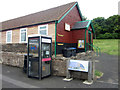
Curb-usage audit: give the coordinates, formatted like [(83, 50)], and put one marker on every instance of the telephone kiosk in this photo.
[(39, 65)]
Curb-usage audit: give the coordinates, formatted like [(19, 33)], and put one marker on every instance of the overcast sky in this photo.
[(10, 9)]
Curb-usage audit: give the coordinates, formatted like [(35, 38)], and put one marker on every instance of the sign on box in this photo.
[(78, 65)]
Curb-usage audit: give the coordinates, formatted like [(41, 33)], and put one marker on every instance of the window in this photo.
[(67, 27), (9, 37), (43, 29), (23, 35)]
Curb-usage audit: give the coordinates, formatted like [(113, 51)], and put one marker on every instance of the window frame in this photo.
[(43, 29), (7, 37), (20, 35)]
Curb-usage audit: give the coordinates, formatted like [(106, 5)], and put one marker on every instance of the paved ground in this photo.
[(13, 77), (108, 64)]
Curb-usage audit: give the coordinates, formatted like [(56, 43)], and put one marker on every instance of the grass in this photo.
[(98, 74), (109, 46)]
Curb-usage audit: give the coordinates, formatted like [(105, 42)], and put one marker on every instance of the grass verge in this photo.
[(98, 74), (109, 46)]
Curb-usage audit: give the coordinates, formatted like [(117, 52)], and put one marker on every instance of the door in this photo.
[(89, 39), (46, 59), (33, 62)]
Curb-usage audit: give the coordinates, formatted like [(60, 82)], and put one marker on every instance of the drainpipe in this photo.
[(85, 40), (55, 36)]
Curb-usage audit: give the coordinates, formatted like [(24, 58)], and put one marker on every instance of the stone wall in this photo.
[(19, 48), (58, 63), (16, 47), (12, 59)]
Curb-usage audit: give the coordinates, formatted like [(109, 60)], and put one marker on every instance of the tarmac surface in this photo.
[(13, 77)]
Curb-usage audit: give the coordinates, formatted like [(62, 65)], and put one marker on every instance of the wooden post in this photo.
[(90, 72), (93, 66), (67, 71), (93, 69)]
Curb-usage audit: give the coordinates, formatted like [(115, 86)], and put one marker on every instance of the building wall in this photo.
[(72, 17), (64, 38), (78, 34), (18, 47), (16, 36), (51, 31), (3, 36), (30, 30)]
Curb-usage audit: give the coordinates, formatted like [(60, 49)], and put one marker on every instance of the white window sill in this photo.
[(22, 42), (8, 42)]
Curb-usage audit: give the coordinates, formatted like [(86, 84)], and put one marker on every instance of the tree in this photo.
[(98, 24), (107, 28)]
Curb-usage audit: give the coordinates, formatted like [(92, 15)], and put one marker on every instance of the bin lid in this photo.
[(70, 48)]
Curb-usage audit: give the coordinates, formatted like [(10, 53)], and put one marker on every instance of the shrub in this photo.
[(108, 36)]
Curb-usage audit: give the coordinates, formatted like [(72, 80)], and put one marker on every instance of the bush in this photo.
[(108, 36), (100, 36), (115, 35)]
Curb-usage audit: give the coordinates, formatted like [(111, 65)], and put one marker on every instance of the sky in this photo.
[(10, 9)]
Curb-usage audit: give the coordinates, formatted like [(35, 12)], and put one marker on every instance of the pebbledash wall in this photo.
[(16, 45)]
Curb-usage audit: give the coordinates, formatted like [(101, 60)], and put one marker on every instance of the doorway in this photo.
[(89, 40)]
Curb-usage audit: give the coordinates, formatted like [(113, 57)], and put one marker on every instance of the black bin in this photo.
[(25, 63), (68, 52)]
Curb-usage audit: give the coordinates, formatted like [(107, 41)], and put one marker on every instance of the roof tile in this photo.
[(80, 24)]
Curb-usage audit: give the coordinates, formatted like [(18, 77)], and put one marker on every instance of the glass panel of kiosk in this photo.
[(33, 62), (46, 59)]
